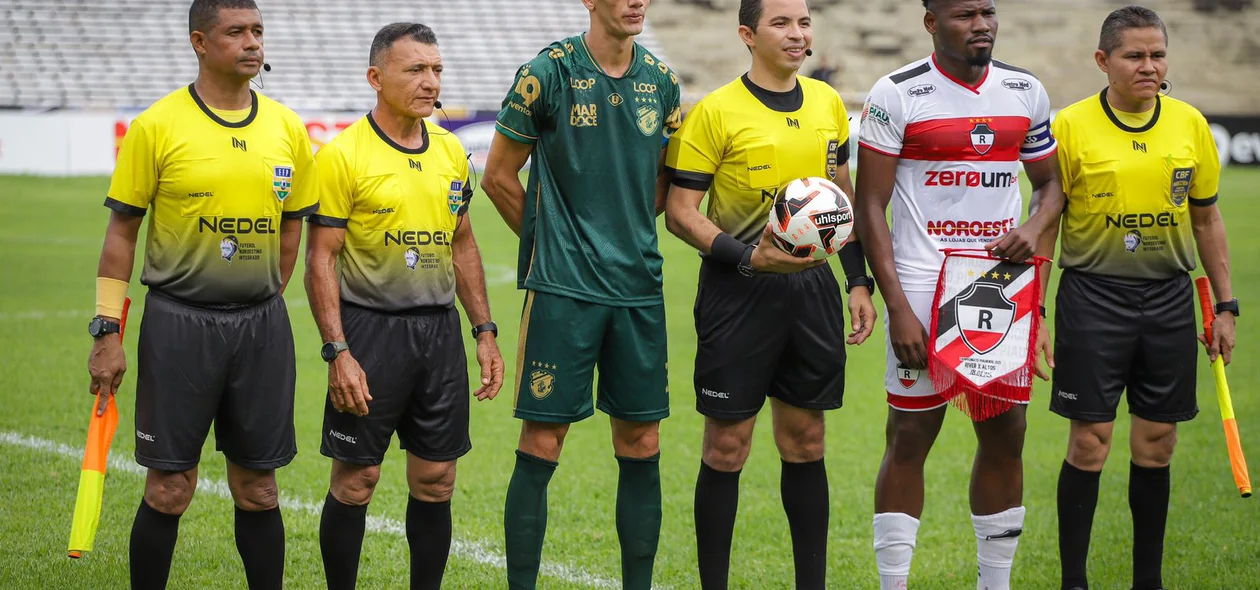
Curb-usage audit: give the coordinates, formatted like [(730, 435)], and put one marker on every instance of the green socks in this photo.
[(638, 519), (525, 519)]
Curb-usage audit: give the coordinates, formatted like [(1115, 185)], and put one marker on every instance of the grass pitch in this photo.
[(50, 238)]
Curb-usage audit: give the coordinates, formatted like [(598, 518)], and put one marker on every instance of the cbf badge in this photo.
[(833, 157), (1181, 180), (984, 327), (455, 198), (282, 181)]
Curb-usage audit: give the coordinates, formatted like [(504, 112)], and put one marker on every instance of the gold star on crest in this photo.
[(994, 275), (1007, 276)]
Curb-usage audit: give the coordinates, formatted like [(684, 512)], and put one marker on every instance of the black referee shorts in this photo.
[(417, 374), (1114, 335), (233, 368), (770, 335)]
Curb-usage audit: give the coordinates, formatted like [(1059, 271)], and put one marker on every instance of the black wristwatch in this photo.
[(100, 326), (745, 266), (330, 350), (486, 327), (866, 281), (1231, 306), (1043, 310)]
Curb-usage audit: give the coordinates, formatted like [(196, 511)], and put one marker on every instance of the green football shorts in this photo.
[(563, 340)]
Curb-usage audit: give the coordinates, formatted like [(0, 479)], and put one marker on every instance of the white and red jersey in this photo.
[(960, 149)]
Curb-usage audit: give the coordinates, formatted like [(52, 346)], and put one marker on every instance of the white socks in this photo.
[(997, 536), (895, 534)]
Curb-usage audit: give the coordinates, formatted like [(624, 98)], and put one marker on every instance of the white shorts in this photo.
[(910, 390)]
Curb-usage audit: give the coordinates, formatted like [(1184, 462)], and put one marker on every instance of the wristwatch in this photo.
[(486, 327), (860, 281), (100, 326), (1043, 310), (745, 266), (1231, 306), (330, 350)]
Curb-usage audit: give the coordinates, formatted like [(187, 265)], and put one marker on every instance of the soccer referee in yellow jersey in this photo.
[(1141, 173), (768, 324), (390, 249), (227, 175)]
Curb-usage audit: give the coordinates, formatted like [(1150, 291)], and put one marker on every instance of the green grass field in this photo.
[(50, 237)]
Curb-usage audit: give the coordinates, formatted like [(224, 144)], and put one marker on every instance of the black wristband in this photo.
[(853, 260), (728, 250)]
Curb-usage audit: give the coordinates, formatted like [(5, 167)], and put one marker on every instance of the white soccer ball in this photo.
[(811, 218)]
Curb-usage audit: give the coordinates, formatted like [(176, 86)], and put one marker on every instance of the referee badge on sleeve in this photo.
[(282, 181), (455, 198)]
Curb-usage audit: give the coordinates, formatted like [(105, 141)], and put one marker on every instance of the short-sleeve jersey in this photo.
[(742, 143), (217, 190), (1129, 188), (400, 207), (960, 149), (589, 224)]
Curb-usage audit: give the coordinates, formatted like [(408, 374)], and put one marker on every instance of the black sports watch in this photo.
[(1042, 309), (1231, 306), (745, 266), (486, 327), (861, 281), (330, 350), (100, 326)]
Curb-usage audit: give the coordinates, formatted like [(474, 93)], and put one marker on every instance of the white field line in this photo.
[(460, 549)]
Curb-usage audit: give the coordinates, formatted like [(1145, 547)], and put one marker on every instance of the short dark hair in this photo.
[(750, 13), (391, 33), (204, 14), (1123, 19)]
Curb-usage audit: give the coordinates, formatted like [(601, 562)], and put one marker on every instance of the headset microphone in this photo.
[(437, 104), (1165, 87), (809, 52), (266, 67), (257, 79)]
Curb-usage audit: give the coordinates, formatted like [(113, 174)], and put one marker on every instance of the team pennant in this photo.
[(984, 331)]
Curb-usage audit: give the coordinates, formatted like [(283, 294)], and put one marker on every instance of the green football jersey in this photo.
[(589, 225)]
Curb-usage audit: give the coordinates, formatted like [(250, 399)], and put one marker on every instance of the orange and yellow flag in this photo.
[(87, 508)]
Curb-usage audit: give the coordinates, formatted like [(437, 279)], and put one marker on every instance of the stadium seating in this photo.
[(1209, 51), (128, 53)]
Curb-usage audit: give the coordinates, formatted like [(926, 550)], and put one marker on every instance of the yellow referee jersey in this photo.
[(742, 143), (399, 207), (1129, 188), (218, 190)]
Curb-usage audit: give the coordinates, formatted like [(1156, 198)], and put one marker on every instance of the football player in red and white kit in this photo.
[(943, 139)]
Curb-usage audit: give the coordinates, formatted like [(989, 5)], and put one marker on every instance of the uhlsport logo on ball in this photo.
[(811, 218)]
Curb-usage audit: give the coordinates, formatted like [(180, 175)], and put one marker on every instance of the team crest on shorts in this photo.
[(282, 181), (455, 198), (907, 376), (412, 256), (1180, 190), (1132, 241), (649, 118), (541, 381), (982, 137)]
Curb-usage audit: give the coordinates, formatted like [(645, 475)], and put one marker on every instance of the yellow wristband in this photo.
[(110, 295)]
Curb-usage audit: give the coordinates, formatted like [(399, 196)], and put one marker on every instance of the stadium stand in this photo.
[(1213, 44), (129, 53)]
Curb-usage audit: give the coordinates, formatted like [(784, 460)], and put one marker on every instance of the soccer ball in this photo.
[(811, 218)]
